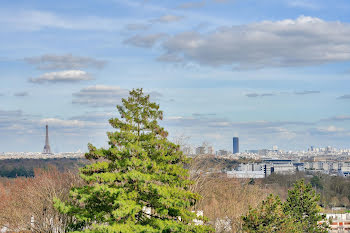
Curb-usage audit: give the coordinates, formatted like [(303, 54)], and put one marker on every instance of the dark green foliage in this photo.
[(329, 187), (251, 181), (12, 168), (269, 217), (141, 169), (16, 172), (302, 206), (316, 182), (299, 213)]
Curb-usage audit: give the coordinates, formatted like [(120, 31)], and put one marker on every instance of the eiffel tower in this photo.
[(47, 149)]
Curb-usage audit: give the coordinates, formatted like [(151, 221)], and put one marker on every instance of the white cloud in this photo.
[(66, 61), (62, 76), (303, 4), (56, 122), (338, 118), (300, 42), (103, 90), (15, 121), (100, 95), (95, 116), (328, 130), (144, 41), (105, 96), (332, 128)]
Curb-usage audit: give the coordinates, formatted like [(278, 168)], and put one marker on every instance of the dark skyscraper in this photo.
[(47, 149), (235, 145)]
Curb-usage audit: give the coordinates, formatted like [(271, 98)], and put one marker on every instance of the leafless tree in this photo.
[(27, 203)]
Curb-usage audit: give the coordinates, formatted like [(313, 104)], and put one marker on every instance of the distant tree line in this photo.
[(12, 168), (333, 190), (299, 213)]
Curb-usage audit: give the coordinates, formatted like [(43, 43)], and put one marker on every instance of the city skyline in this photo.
[(278, 77)]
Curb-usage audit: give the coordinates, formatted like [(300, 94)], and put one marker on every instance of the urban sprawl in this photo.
[(328, 160)]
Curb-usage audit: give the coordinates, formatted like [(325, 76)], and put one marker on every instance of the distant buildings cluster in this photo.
[(338, 222), (265, 168), (40, 155), (327, 160), (209, 150), (329, 167), (287, 166)]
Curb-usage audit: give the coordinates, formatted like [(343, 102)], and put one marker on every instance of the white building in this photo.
[(246, 174), (210, 150), (339, 223)]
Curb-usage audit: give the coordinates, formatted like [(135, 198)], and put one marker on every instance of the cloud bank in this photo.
[(67, 76), (66, 61), (300, 42), (100, 95), (144, 41), (105, 96)]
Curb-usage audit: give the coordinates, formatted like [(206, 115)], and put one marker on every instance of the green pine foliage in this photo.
[(269, 217), (139, 183), (299, 213), (302, 206)]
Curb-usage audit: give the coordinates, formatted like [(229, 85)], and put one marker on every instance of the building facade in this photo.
[(235, 142)]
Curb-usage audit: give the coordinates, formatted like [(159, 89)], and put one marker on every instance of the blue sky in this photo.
[(271, 72)]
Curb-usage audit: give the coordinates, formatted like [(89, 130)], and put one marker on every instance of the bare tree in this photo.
[(27, 203)]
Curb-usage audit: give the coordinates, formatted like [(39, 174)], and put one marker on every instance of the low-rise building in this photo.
[(261, 170), (246, 174), (339, 223)]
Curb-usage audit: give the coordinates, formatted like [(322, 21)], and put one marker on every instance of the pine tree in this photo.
[(269, 217), (302, 206), (299, 213), (138, 184)]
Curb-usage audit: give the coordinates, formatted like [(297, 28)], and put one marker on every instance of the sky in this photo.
[(272, 72)]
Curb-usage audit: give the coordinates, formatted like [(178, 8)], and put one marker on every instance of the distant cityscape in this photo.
[(263, 153), (327, 160), (45, 154)]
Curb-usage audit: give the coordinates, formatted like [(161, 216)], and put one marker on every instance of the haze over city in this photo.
[(273, 74)]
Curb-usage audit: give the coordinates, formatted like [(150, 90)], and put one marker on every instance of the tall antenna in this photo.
[(47, 149)]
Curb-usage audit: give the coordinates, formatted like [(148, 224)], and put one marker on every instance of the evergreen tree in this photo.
[(302, 206), (299, 213), (139, 183), (269, 217), (316, 182)]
